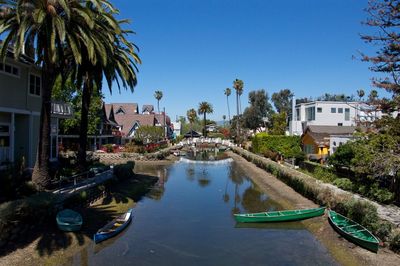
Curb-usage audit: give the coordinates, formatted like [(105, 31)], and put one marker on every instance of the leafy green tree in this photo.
[(343, 156), (158, 95), (149, 134), (281, 100), (51, 28), (228, 92), (278, 124), (259, 108), (192, 117), (204, 109)]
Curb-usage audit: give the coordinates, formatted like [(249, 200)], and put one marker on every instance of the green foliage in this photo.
[(362, 212), (343, 155), (149, 134), (383, 230), (288, 146), (324, 174), (281, 101), (259, 108), (278, 124), (109, 148), (124, 171), (380, 194), (70, 94), (343, 183), (395, 241)]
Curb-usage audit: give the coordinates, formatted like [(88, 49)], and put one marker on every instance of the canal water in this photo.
[(188, 220)]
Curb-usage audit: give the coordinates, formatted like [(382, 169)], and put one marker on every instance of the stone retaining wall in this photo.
[(314, 189)]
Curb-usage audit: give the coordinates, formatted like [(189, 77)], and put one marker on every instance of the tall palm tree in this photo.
[(360, 93), (204, 109), (224, 118), (238, 86), (50, 27), (158, 95), (191, 116), (228, 92), (116, 61)]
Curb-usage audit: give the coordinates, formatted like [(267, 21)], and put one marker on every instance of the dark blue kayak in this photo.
[(114, 227)]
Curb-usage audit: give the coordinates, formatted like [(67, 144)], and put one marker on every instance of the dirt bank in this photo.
[(343, 251)]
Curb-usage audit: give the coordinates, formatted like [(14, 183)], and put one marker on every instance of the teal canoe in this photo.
[(279, 216), (69, 220), (353, 231)]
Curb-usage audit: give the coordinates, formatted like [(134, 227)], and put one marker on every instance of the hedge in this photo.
[(288, 146), (359, 210)]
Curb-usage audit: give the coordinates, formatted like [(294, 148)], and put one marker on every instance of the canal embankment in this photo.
[(297, 190), (35, 239)]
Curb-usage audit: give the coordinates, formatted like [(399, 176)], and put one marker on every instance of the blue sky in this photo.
[(193, 49)]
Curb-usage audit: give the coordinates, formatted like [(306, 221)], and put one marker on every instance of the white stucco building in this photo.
[(330, 113)]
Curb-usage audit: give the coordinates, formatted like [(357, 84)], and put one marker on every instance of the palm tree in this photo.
[(360, 93), (238, 86), (204, 109), (228, 92), (51, 28), (158, 95), (192, 117), (116, 61), (224, 118)]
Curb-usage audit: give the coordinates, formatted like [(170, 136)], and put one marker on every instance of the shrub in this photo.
[(124, 171), (324, 174), (108, 148), (380, 194), (383, 230), (288, 146), (343, 183), (395, 241), (362, 212)]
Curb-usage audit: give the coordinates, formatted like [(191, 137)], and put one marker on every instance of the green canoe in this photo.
[(353, 231), (279, 216)]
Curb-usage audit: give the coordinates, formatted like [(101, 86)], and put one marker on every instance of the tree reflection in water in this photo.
[(203, 178)]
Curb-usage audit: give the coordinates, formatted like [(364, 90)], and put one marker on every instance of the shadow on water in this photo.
[(50, 239)]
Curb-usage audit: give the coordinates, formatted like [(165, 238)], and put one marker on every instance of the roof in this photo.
[(127, 121), (322, 134), (193, 134), (160, 119), (127, 108), (148, 108)]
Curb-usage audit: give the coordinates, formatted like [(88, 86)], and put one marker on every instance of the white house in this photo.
[(330, 113)]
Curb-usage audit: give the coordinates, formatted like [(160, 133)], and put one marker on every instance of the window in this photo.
[(340, 124), (310, 113), (9, 69), (309, 149), (347, 114), (340, 110), (34, 85), (298, 117), (333, 110), (319, 110)]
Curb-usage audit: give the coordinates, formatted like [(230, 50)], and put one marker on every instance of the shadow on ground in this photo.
[(50, 239)]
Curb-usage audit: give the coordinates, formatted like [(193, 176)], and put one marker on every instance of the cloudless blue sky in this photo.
[(193, 49)]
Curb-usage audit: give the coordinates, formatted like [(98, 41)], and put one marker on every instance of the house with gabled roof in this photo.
[(129, 120), (316, 140)]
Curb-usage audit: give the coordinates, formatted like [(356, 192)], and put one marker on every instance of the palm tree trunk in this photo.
[(41, 172), (86, 99), (229, 112), (204, 129), (237, 118), (158, 105)]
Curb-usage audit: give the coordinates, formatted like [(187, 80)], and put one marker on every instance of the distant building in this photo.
[(177, 127), (331, 113), (129, 119)]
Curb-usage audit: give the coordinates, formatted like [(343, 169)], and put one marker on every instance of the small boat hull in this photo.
[(353, 231), (113, 228), (279, 216), (69, 220)]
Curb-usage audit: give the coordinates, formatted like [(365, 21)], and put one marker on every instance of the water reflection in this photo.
[(187, 220)]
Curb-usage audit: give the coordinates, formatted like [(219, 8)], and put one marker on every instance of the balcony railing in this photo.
[(4, 154)]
